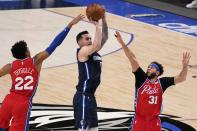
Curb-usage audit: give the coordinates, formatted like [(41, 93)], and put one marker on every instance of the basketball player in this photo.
[(149, 89), (25, 72), (89, 67)]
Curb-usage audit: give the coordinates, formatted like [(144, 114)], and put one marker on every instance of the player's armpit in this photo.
[(40, 57), (134, 64), (5, 70)]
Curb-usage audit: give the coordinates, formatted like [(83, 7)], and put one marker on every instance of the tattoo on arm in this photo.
[(104, 33)]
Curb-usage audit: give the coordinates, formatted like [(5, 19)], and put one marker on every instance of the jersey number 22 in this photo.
[(26, 86)]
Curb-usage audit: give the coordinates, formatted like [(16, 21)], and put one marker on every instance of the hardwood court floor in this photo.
[(58, 78)]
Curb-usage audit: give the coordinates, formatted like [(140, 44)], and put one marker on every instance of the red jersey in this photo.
[(149, 100), (149, 95), (24, 77)]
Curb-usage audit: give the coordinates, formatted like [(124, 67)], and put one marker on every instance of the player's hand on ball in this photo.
[(76, 20), (95, 12)]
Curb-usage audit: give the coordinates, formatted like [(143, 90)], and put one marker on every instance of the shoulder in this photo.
[(166, 79), (140, 74), (166, 82)]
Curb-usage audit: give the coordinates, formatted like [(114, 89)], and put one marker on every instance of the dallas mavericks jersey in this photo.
[(89, 74)]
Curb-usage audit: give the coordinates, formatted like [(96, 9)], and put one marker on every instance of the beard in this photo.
[(151, 76)]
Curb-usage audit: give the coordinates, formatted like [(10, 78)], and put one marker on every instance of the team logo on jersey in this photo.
[(148, 90), (60, 117)]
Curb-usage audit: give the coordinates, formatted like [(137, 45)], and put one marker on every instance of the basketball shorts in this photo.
[(15, 113), (139, 124), (85, 111)]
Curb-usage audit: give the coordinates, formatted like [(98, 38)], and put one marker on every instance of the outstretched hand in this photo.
[(119, 37), (76, 20), (186, 58)]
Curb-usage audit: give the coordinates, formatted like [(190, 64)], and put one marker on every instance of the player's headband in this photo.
[(155, 66)]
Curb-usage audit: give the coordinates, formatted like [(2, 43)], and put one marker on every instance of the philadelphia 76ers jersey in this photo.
[(24, 77), (148, 100)]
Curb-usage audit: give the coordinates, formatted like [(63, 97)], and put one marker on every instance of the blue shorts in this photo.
[(85, 111)]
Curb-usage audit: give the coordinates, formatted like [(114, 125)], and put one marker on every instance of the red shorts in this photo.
[(140, 124), (15, 113)]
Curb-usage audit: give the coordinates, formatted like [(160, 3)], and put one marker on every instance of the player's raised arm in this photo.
[(56, 42), (88, 50), (5, 70), (104, 31), (130, 55), (183, 74)]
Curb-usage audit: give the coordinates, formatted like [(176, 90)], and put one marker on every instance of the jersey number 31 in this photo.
[(153, 99)]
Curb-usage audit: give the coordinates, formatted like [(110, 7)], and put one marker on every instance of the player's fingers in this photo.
[(118, 34), (183, 55), (187, 55), (188, 58), (79, 17), (82, 16)]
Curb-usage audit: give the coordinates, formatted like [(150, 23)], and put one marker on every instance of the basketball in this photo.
[(95, 12)]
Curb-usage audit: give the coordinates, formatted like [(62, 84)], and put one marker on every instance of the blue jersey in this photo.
[(89, 74)]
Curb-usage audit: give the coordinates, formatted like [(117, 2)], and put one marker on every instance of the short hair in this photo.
[(160, 67), (78, 37), (19, 49)]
